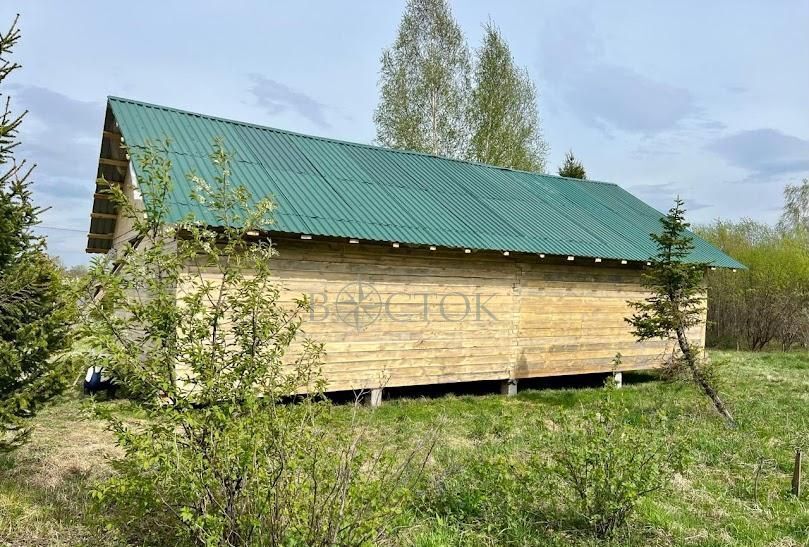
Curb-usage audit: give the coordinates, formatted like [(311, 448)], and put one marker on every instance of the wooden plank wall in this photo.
[(445, 316), (405, 316)]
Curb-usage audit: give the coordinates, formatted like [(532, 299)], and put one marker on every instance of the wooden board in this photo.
[(399, 317)]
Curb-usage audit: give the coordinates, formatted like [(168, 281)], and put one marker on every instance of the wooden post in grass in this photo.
[(796, 474)]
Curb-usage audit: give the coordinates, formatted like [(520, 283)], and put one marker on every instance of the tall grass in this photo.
[(484, 484)]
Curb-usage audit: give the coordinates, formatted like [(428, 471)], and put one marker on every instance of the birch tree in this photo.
[(503, 115), (795, 217), (424, 83)]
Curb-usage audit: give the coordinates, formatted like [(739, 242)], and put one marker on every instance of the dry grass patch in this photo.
[(45, 485)]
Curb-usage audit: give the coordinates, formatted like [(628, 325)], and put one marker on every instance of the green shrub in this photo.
[(487, 493), (605, 466), (765, 305), (267, 476), (237, 446)]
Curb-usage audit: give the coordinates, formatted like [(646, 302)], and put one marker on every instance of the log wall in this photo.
[(402, 316)]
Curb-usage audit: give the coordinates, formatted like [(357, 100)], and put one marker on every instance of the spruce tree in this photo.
[(676, 303), (424, 83), (35, 311), (503, 116), (572, 168)]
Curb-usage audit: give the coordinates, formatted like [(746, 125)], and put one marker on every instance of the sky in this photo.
[(706, 100)]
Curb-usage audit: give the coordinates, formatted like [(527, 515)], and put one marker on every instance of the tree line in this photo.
[(766, 305), (438, 98)]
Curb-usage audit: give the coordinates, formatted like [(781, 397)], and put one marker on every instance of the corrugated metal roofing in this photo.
[(333, 188)]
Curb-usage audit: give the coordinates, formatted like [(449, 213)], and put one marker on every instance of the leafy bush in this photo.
[(237, 446), (557, 478), (606, 466), (270, 477), (769, 302)]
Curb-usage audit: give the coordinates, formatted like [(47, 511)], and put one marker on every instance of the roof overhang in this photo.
[(113, 167), (345, 198)]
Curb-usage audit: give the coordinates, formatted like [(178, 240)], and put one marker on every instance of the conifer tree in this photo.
[(676, 303), (503, 117), (572, 168), (34, 308), (424, 83)]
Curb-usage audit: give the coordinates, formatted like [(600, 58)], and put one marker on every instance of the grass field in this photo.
[(734, 490)]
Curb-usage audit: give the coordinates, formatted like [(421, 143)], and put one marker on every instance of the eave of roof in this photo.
[(332, 188)]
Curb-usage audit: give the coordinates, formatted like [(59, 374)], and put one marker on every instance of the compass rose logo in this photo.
[(358, 304)]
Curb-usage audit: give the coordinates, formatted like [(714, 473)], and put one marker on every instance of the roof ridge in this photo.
[(350, 143)]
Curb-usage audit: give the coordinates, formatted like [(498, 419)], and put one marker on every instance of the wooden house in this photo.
[(422, 269)]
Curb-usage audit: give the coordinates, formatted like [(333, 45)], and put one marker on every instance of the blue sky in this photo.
[(709, 100)]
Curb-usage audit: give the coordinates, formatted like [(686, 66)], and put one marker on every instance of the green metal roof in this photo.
[(333, 188)]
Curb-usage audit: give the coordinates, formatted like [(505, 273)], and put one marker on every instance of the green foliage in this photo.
[(769, 302), (606, 466), (237, 446), (735, 486), (795, 215), (424, 83), (429, 103), (572, 167), (489, 492), (525, 479), (503, 113), (677, 294), (675, 303), (255, 474), (35, 305)]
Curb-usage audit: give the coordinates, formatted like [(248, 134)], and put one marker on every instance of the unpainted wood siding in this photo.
[(402, 316)]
